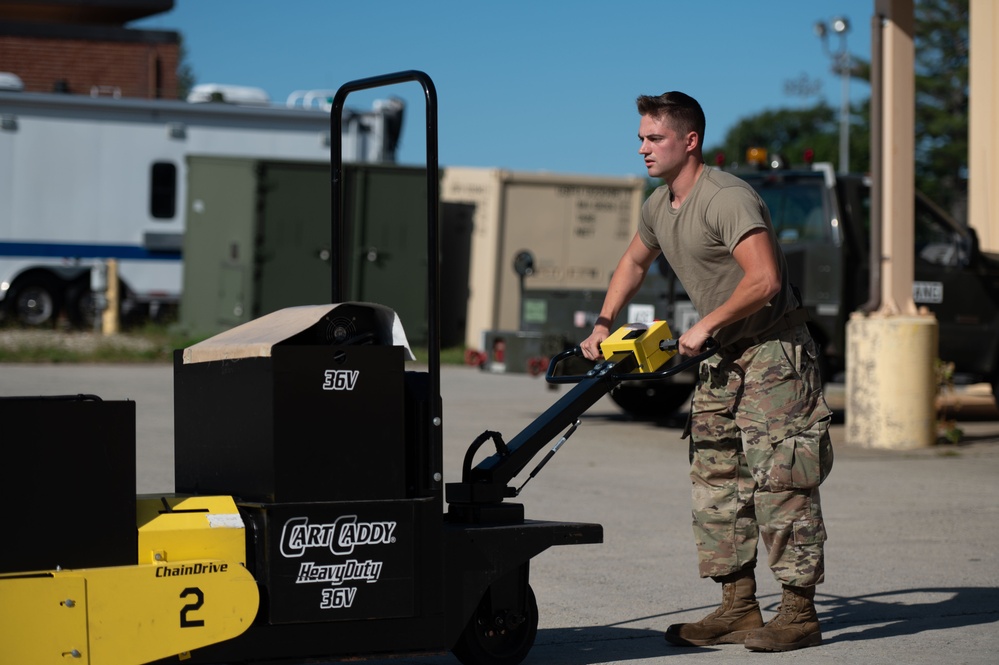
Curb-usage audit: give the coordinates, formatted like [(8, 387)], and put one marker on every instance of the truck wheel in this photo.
[(498, 638), (36, 301), (651, 399)]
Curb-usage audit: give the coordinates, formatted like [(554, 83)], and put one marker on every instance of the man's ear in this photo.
[(693, 142)]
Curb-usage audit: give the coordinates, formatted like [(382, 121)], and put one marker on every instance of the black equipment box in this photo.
[(78, 509), (266, 412), (306, 424)]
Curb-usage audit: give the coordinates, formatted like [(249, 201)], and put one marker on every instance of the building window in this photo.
[(163, 190)]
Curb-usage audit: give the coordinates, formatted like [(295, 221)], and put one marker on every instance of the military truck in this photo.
[(822, 220)]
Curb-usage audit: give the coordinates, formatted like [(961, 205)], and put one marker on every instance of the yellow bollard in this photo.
[(890, 381), (109, 318)]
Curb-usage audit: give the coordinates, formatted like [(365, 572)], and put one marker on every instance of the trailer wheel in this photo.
[(81, 306), (498, 638), (36, 301), (651, 399)]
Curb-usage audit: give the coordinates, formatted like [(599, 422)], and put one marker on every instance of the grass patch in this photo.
[(149, 344), (152, 343), (454, 356)]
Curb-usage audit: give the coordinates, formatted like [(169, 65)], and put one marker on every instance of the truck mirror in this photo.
[(967, 246)]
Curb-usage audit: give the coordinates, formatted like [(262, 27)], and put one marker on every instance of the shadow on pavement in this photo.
[(906, 612), (844, 619), (594, 645)]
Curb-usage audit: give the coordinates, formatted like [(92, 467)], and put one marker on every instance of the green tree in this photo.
[(942, 52), (941, 116), (793, 133), (185, 73)]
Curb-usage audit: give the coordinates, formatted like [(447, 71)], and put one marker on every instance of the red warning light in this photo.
[(809, 155)]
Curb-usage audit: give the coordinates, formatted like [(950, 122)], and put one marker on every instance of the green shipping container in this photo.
[(258, 240)]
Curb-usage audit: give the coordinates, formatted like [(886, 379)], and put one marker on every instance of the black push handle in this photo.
[(711, 347), (337, 241), (339, 250), (433, 177), (557, 359)]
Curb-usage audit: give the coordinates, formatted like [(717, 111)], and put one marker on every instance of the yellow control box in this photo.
[(643, 341)]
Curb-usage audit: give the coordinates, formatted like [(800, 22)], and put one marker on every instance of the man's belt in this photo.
[(791, 319)]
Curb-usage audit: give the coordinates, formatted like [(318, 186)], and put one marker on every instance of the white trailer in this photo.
[(87, 179)]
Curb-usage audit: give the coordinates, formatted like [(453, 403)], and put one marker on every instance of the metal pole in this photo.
[(844, 111), (841, 62)]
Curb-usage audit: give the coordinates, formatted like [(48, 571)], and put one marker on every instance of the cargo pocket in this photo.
[(786, 455), (801, 461), (808, 532)]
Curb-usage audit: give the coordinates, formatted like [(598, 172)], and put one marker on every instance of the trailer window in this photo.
[(163, 190)]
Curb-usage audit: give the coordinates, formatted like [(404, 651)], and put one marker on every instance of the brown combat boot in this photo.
[(738, 614), (796, 625)]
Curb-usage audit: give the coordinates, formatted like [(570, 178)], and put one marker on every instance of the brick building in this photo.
[(83, 47)]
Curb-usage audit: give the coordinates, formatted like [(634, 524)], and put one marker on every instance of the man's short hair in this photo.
[(681, 111)]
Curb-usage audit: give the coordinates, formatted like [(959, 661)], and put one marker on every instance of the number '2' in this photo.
[(199, 600)]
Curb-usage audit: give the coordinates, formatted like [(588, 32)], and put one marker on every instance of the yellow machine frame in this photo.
[(189, 589)]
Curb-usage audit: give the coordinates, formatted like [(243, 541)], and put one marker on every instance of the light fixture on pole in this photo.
[(841, 65)]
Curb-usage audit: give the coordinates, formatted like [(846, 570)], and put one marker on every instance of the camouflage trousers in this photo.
[(759, 449)]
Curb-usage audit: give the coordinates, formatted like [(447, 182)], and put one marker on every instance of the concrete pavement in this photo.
[(912, 572)]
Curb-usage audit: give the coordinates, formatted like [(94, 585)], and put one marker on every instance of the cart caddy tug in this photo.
[(309, 518)]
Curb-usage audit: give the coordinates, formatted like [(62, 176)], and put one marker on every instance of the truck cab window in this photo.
[(163, 190), (797, 212), (936, 241)]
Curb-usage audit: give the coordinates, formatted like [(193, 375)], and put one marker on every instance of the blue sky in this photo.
[(528, 85)]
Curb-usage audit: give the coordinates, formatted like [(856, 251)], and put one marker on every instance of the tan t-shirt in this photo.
[(698, 238)]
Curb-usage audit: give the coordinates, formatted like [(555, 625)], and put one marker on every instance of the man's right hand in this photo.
[(623, 285), (591, 345)]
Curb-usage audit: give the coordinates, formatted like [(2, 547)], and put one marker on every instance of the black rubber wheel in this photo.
[(36, 301), (81, 306), (503, 639), (651, 399)]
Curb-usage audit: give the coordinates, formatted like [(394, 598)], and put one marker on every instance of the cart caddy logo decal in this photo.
[(340, 379), (340, 537)]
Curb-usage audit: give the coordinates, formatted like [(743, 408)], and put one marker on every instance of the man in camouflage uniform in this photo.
[(759, 440)]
